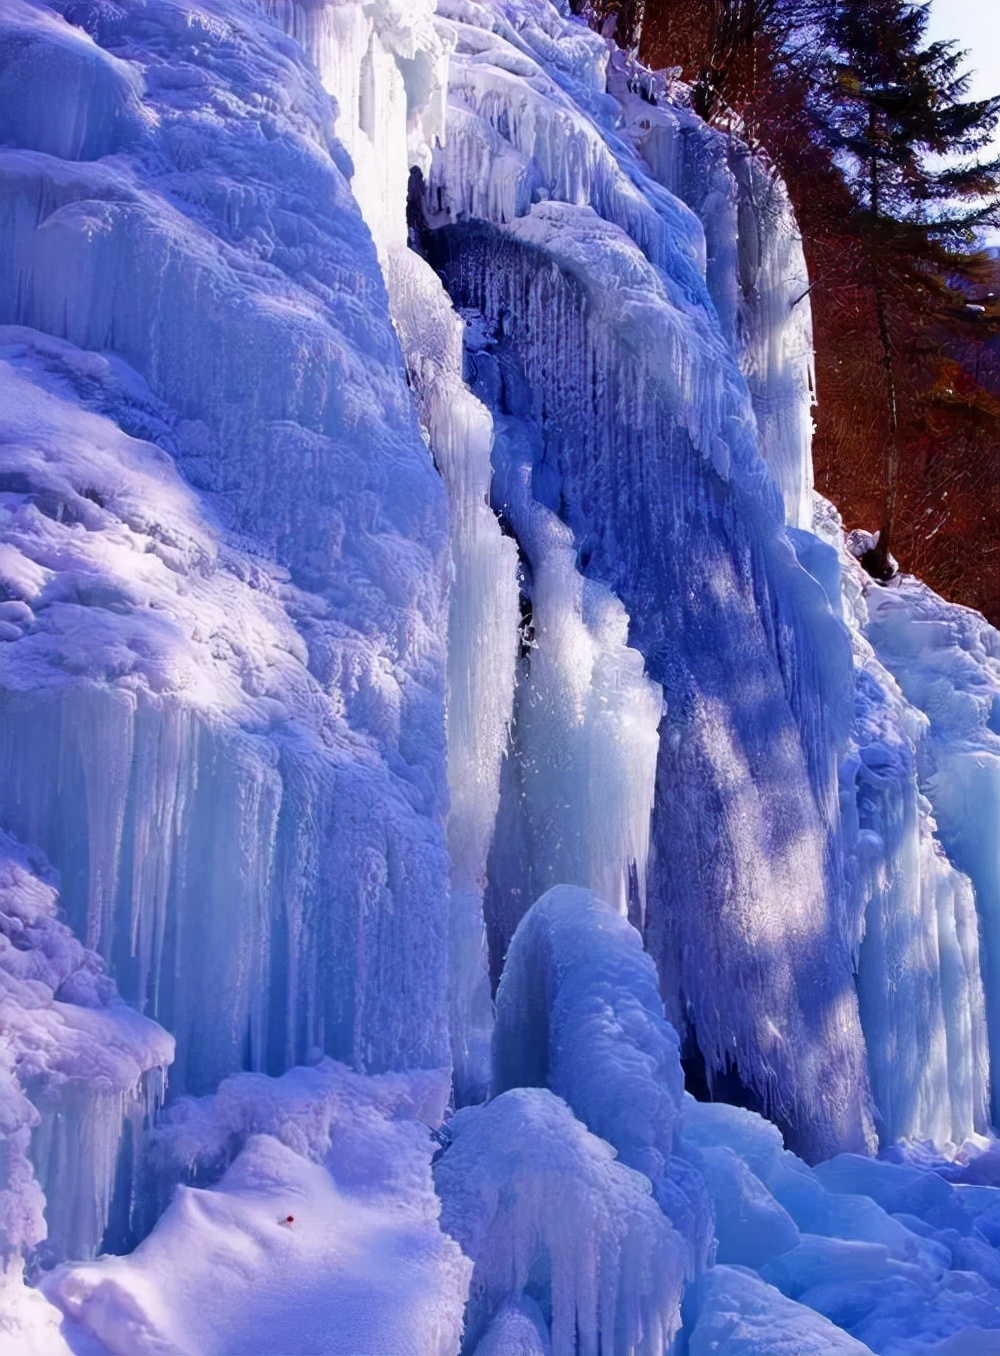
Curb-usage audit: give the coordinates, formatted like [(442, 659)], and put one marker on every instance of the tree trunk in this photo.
[(628, 32), (876, 561)]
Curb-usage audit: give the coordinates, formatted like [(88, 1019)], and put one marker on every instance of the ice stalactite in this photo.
[(80, 1070), (946, 662), (911, 912), (529, 119), (239, 681), (585, 715), (387, 70), (919, 980), (581, 769), (754, 266)]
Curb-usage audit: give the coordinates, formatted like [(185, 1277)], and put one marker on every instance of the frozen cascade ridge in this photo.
[(481, 870)]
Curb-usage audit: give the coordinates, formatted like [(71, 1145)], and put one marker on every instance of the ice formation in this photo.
[(587, 272), (79, 1069), (411, 583), (214, 668), (543, 1209)]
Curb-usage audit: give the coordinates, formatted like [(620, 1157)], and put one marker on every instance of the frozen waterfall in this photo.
[(439, 724)]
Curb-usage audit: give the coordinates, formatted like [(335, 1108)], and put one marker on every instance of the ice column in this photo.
[(913, 914), (754, 265), (579, 778), (387, 68)]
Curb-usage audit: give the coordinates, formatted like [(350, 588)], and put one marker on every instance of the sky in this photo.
[(974, 24)]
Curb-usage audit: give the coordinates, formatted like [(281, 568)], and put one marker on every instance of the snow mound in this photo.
[(321, 1235), (579, 1012)]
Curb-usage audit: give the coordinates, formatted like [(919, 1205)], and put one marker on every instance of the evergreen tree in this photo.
[(893, 113)]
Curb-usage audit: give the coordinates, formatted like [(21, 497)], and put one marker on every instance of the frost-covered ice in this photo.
[(80, 1073), (164, 735), (894, 1256)]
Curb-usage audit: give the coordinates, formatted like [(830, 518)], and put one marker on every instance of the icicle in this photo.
[(389, 116), (82, 1067), (541, 1207)]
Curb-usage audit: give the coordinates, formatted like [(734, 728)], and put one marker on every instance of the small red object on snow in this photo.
[(288, 1221)]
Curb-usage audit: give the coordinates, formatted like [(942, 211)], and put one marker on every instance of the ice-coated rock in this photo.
[(739, 1315)]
